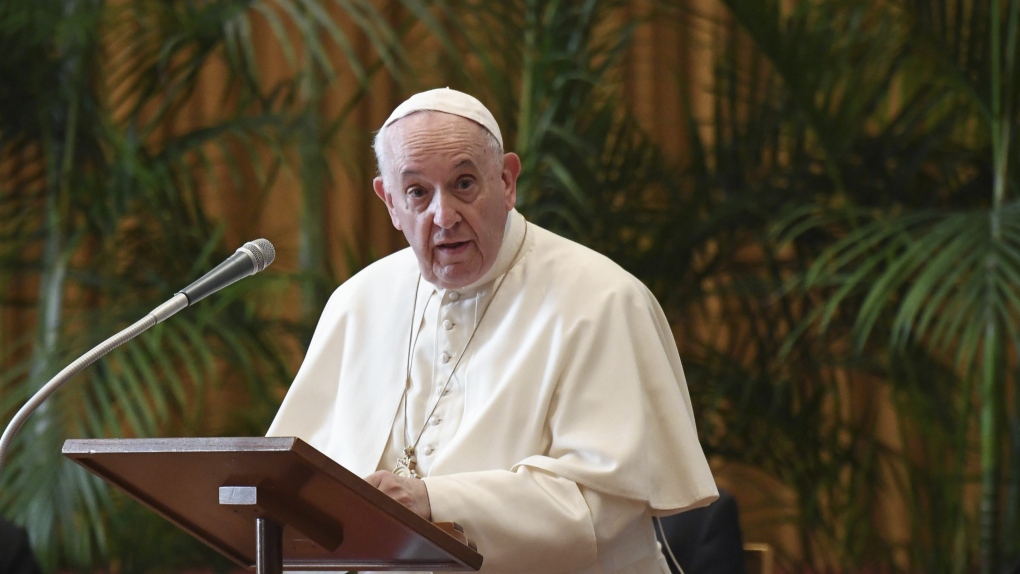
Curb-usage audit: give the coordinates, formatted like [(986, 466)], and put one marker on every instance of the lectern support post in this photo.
[(268, 547), (268, 532)]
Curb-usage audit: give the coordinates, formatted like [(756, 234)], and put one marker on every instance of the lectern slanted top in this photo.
[(216, 488)]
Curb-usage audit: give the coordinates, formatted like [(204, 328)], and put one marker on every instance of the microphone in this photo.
[(249, 259)]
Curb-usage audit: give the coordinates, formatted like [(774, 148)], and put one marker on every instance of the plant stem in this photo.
[(312, 241), (525, 109), (989, 452), (1000, 130), (960, 531)]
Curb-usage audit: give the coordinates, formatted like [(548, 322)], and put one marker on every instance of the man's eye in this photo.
[(416, 192), (465, 183)]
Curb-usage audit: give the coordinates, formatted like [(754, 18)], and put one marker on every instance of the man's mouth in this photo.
[(453, 246)]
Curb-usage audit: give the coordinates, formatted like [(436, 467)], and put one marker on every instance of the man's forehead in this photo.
[(435, 133), (414, 170)]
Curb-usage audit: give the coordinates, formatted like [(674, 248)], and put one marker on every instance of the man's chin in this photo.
[(455, 276)]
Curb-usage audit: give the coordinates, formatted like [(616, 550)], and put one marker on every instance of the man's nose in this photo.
[(447, 210)]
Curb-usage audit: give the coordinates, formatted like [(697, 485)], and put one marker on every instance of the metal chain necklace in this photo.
[(406, 464)]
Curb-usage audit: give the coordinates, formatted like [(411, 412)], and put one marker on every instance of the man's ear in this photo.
[(511, 170), (380, 190)]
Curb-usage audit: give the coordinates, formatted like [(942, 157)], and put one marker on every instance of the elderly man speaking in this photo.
[(497, 375)]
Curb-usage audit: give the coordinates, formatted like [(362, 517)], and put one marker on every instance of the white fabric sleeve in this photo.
[(530, 520)]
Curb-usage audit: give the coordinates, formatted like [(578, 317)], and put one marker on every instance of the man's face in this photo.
[(449, 192)]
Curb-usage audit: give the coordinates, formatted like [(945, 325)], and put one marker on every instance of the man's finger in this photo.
[(376, 478), (410, 492)]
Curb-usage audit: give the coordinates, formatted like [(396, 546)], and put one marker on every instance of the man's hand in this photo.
[(410, 492)]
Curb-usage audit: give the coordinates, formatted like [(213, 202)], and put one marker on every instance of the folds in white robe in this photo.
[(576, 424)]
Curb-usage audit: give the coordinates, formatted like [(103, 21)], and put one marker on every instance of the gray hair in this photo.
[(382, 159)]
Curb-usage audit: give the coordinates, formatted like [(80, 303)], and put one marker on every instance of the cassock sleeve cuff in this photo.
[(503, 511)]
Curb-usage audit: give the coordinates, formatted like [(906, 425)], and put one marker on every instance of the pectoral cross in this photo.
[(406, 463)]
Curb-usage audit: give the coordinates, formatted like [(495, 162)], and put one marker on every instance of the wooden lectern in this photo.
[(274, 504)]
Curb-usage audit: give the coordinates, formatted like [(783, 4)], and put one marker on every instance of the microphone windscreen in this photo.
[(262, 251)]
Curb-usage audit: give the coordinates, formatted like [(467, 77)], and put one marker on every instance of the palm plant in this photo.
[(949, 275), (866, 111), (106, 159), (802, 413), (863, 142)]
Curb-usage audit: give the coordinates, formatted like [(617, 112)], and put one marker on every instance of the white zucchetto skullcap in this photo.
[(450, 102)]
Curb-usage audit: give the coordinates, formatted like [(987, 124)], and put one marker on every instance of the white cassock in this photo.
[(564, 428)]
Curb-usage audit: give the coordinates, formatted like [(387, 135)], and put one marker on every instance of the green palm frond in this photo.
[(943, 273)]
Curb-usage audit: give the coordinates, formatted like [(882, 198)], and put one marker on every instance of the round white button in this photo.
[(428, 450), (434, 421), (447, 324), (445, 357), (454, 295)]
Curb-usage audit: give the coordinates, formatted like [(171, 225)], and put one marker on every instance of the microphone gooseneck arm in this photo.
[(159, 314), (249, 259)]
